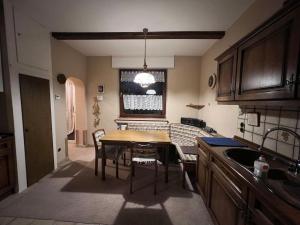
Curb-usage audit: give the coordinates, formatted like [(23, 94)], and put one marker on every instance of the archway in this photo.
[(76, 112)]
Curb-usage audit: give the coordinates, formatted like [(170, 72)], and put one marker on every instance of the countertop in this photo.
[(282, 208)]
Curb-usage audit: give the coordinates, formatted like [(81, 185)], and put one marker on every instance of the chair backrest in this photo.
[(144, 150), (96, 138)]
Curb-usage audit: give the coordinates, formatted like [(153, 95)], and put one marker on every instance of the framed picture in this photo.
[(101, 88)]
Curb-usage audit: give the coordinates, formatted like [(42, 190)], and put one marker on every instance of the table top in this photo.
[(161, 137)]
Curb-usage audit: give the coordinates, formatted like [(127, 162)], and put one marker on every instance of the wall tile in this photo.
[(286, 137), (248, 136), (288, 119), (239, 133), (262, 113), (285, 149), (296, 152), (297, 141), (274, 133), (270, 144), (272, 116), (259, 130), (257, 139)]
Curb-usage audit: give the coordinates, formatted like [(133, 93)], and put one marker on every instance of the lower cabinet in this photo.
[(225, 200), (202, 172), (7, 170), (259, 213)]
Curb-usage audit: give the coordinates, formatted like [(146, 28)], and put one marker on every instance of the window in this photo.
[(136, 101)]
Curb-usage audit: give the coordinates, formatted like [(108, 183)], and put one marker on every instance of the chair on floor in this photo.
[(112, 152), (144, 154)]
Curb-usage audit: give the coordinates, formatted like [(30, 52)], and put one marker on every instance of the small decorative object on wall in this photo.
[(212, 80), (61, 78), (96, 112), (101, 88)]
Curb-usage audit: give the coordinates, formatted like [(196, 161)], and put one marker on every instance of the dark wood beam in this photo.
[(138, 35)]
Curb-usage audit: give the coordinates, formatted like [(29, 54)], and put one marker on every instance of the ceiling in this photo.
[(133, 16)]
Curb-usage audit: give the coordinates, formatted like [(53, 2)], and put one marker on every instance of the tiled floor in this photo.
[(75, 195), (24, 221)]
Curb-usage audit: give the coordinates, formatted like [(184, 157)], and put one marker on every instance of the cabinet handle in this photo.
[(292, 81)]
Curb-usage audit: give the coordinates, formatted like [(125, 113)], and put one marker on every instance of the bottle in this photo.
[(261, 167)]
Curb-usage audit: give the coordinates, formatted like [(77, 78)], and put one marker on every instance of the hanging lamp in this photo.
[(144, 78)]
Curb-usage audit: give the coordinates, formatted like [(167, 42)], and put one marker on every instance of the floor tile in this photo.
[(42, 222), (21, 221), (63, 223), (5, 220)]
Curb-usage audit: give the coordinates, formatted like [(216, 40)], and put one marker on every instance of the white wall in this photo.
[(224, 117), (16, 67), (72, 63), (182, 89)]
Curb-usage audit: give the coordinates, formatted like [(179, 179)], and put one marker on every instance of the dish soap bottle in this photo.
[(261, 167)]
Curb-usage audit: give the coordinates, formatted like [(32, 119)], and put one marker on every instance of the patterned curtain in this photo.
[(70, 102)]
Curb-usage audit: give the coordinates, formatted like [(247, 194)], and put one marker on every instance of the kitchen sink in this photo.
[(243, 156)]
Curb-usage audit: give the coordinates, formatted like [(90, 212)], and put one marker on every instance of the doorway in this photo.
[(76, 114), (36, 113)]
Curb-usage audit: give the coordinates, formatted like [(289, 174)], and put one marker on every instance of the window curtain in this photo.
[(70, 102)]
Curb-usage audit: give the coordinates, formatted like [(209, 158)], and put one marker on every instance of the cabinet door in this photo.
[(267, 62), (226, 76), (202, 173), (33, 42), (225, 202), (6, 168)]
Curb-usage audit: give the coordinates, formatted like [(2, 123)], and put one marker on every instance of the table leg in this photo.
[(131, 170), (167, 163), (103, 161)]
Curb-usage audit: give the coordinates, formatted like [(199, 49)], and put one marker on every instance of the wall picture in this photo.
[(101, 88)]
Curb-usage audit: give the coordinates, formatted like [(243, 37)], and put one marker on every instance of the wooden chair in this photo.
[(112, 152), (145, 154)]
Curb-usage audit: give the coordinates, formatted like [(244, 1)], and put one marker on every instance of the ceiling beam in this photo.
[(138, 35)]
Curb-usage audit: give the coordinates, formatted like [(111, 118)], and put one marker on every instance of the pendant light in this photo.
[(144, 78)]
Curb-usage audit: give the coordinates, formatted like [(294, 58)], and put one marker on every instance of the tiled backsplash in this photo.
[(278, 141)]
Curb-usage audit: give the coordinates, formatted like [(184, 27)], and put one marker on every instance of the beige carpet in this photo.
[(73, 193)]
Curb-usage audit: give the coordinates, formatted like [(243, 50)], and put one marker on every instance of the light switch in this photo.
[(100, 98), (253, 119)]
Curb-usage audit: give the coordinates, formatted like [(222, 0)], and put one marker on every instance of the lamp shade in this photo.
[(151, 92), (144, 79)]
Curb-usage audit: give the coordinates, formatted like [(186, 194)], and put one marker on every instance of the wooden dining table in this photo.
[(127, 138)]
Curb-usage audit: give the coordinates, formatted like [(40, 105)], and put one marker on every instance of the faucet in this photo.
[(297, 136)]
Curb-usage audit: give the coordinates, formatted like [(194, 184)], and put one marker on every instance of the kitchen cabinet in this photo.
[(225, 200), (1, 74), (267, 62), (202, 173), (233, 196), (33, 42), (226, 75), (7, 167), (264, 64), (259, 213)]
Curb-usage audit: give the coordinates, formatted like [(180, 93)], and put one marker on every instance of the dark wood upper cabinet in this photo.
[(226, 75), (267, 62), (264, 65)]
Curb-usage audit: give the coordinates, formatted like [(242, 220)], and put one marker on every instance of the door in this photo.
[(267, 62), (36, 112), (226, 75)]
